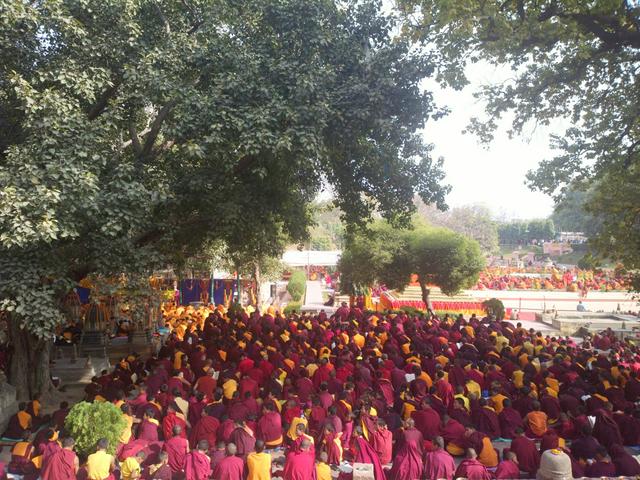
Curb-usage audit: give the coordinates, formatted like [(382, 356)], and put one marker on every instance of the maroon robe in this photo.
[(427, 421), (205, 429), (453, 432), (527, 454), (364, 453), (606, 430), (270, 428), (177, 449), (229, 468), (244, 441), (507, 470), (383, 445), (148, 431), (171, 420), (472, 470), (488, 422), (439, 464), (510, 419), (407, 464), (600, 469), (197, 466), (61, 466), (299, 465)]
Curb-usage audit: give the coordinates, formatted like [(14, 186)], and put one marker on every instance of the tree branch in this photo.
[(167, 27), (101, 104), (155, 128), (135, 141)]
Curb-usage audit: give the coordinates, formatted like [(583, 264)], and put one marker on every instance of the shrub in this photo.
[(494, 307), (292, 307), (296, 285), (89, 422)]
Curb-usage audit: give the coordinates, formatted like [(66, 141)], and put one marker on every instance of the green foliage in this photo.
[(521, 232), (570, 214), (89, 422), (570, 60), (328, 233), (383, 254), (297, 285), (473, 221), (136, 133), (588, 262), (292, 307), (494, 307)]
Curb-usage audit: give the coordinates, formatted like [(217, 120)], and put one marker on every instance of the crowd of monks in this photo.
[(571, 280), (250, 396)]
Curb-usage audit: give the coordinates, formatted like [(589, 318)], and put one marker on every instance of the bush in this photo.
[(89, 422), (494, 307), (292, 307), (297, 284)]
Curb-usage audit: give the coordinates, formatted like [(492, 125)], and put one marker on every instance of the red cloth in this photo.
[(244, 441), (509, 419), (439, 464), (333, 452), (148, 431), (229, 468), (61, 466), (270, 427), (383, 445), (488, 422), (472, 470), (177, 449), (300, 465), (453, 432), (407, 464), (507, 470), (527, 454), (205, 429), (366, 454), (428, 422), (169, 421), (197, 466)]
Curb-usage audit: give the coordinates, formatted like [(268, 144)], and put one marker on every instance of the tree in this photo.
[(473, 221), (570, 214), (569, 59), (297, 284), (436, 255), (89, 422), (135, 133)]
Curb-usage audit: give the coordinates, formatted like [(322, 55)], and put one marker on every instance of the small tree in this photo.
[(89, 422), (390, 256), (296, 285), (494, 307)]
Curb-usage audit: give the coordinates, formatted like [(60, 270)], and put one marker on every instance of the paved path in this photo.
[(313, 296)]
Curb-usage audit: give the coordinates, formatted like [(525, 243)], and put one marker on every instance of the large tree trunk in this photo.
[(425, 296), (29, 368)]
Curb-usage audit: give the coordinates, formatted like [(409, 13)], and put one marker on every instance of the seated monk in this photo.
[(259, 463), (300, 463), (63, 464), (526, 452), (471, 468), (453, 435), (100, 464), (536, 421), (18, 423), (230, 467), (177, 448), (481, 443), (22, 455), (438, 463), (508, 468), (198, 463), (160, 470)]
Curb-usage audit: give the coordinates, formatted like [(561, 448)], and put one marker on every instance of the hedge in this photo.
[(297, 284), (89, 422)]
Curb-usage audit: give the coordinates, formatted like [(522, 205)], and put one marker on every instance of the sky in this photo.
[(492, 175)]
